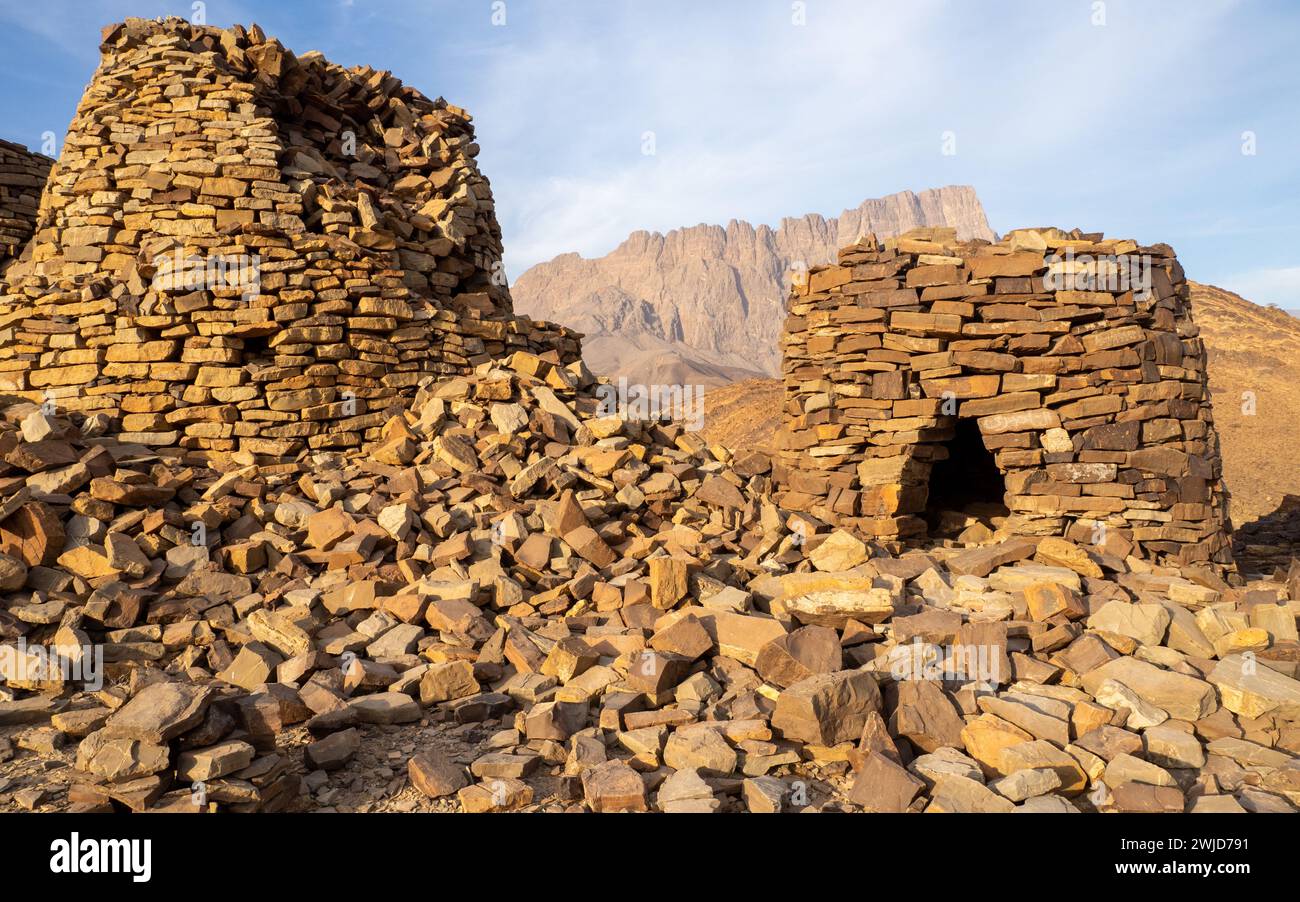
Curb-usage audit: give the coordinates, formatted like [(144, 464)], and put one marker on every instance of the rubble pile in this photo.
[(22, 176), (1071, 362), (624, 618), (223, 588), (241, 249)]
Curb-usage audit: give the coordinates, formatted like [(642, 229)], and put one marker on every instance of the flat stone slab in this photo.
[(1251, 689), (160, 712), (1184, 697)]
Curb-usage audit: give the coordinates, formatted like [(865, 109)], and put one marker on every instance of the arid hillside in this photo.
[(1252, 349), (744, 414)]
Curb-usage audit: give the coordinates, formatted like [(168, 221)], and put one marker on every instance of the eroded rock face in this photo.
[(1075, 357), (707, 301)]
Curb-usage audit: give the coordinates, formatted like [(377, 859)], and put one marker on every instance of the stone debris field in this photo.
[(360, 538)]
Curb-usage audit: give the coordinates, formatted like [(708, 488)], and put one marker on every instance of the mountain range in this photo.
[(704, 304)]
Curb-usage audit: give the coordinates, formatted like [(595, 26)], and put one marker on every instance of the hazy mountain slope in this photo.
[(649, 360)]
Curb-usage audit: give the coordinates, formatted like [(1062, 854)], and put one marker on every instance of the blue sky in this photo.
[(1133, 127)]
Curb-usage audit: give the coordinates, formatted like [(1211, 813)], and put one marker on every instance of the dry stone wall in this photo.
[(1075, 356), (242, 249), (22, 176)]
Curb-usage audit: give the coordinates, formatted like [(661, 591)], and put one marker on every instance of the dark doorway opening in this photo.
[(256, 349), (967, 479)]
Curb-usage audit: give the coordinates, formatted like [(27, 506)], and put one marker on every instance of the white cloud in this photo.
[(1279, 286), (1132, 128), (756, 118), (742, 125)]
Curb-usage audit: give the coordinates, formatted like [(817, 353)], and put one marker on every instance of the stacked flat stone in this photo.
[(1094, 403), (22, 176), (361, 238)]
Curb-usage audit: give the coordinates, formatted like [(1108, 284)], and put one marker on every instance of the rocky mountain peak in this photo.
[(707, 298)]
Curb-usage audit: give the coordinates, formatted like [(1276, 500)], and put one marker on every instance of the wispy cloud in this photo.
[(1056, 119), (745, 110), (1132, 127), (1268, 286)]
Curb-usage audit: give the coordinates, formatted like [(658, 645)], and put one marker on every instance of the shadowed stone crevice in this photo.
[(1271, 543), (963, 476)]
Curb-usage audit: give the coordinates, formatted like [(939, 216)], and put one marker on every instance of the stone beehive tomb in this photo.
[(22, 176), (244, 249), (1050, 384)]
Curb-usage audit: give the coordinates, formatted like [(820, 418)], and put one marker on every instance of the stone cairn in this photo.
[(22, 176), (241, 249), (1089, 392)]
